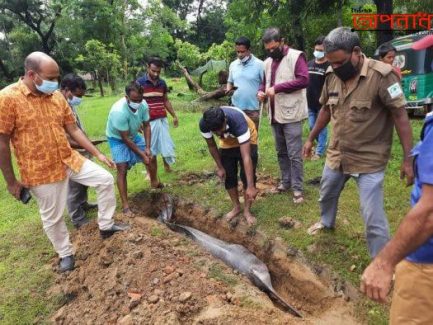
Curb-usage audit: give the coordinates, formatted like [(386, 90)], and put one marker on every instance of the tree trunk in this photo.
[(204, 95), (384, 34), (101, 88), (296, 8)]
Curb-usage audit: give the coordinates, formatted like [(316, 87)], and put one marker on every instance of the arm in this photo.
[(404, 131), (14, 187), (131, 144), (170, 109), (414, 230), (321, 122), (147, 138), (300, 81), (245, 149), (75, 132), (213, 150)]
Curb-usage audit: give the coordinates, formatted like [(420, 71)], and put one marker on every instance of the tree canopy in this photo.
[(128, 32)]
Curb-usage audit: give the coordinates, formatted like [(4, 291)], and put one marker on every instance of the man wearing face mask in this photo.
[(35, 118), (286, 77), (127, 117), (316, 71), (363, 100), (246, 74), (73, 89)]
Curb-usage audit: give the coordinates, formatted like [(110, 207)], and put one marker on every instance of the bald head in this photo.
[(36, 61), (39, 67)]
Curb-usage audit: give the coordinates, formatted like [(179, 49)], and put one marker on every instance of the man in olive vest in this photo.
[(286, 77)]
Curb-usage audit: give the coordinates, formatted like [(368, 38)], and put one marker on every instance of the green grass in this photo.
[(25, 252)]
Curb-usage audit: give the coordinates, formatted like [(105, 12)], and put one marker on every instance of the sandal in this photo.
[(159, 186), (298, 198), (316, 228)]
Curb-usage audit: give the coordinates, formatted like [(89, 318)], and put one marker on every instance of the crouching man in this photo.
[(238, 146), (127, 117)]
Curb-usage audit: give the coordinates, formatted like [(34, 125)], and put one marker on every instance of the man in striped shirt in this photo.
[(155, 93)]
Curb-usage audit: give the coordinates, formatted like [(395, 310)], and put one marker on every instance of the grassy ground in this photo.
[(25, 252)]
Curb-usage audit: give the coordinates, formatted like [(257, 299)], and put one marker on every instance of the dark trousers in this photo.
[(77, 197), (231, 158)]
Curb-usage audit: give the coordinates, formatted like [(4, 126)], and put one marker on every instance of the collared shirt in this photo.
[(423, 168), (239, 129), (361, 117), (247, 77), (36, 125), (155, 96), (121, 118)]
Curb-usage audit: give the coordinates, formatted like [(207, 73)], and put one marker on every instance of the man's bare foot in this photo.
[(233, 213), (157, 185), (167, 168), (251, 220)]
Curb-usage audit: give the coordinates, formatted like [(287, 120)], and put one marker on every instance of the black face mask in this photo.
[(346, 71), (276, 54)]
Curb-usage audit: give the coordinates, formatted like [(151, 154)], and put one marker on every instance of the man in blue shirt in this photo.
[(245, 77), (411, 248), (128, 116)]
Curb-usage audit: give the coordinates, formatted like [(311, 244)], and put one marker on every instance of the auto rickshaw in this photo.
[(414, 57)]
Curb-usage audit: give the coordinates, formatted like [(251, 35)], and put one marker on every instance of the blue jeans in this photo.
[(321, 139), (370, 186)]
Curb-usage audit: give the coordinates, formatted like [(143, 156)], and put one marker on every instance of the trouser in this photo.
[(288, 143), (370, 186), (51, 199), (231, 159), (412, 301), (254, 115), (76, 199), (321, 138)]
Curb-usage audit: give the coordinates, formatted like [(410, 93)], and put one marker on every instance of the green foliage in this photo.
[(188, 54), (224, 51)]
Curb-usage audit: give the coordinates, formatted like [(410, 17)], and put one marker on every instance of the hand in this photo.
[(376, 280), (221, 173), (251, 193), (261, 96), (307, 149), (406, 170), (270, 92), (175, 121), (106, 160), (15, 189), (147, 155)]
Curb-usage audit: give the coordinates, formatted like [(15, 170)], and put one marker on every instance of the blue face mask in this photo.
[(47, 86), (75, 101), (134, 106), (319, 54)]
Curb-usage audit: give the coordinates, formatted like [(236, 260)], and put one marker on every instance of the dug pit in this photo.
[(152, 275)]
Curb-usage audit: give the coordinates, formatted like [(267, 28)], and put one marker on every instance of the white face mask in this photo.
[(134, 106), (319, 54), (245, 59)]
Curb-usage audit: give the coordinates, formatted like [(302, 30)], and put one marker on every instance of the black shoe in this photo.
[(66, 263), (89, 206), (114, 228), (81, 223)]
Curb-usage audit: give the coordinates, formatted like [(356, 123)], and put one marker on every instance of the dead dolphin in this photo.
[(239, 258)]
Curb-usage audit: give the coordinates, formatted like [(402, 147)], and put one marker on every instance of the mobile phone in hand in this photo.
[(25, 195)]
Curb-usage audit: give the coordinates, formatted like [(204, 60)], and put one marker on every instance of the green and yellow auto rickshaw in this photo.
[(414, 57)]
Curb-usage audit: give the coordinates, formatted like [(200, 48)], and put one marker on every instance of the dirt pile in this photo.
[(151, 275)]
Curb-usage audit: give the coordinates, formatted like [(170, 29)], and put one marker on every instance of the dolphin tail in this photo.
[(275, 296), (284, 304)]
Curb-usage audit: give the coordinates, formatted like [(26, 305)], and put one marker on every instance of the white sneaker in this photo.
[(316, 228)]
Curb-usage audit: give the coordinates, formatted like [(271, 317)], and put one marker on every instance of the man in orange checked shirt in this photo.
[(35, 118)]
